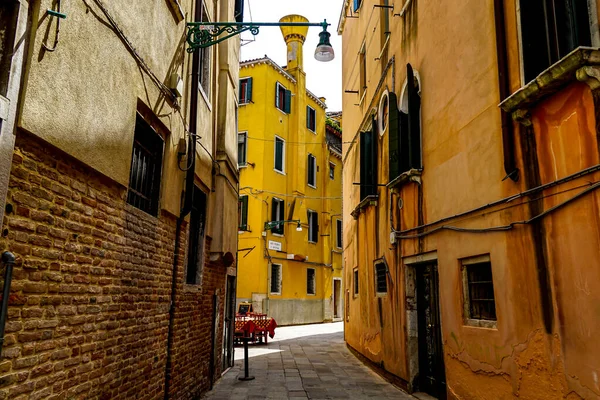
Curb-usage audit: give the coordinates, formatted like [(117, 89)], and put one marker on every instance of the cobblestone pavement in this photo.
[(303, 362)]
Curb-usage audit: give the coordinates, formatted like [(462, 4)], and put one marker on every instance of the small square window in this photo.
[(146, 168), (331, 170), (312, 171), (311, 286), (311, 119), (381, 278), (478, 287), (242, 148), (275, 278), (355, 281), (313, 226)]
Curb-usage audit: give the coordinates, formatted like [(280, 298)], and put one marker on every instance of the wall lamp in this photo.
[(204, 34), (273, 224)]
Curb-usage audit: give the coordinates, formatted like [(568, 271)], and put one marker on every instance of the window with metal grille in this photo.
[(275, 278), (195, 262), (245, 94), (204, 53), (550, 29), (311, 287), (146, 168), (313, 226), (338, 237), (355, 276), (478, 285), (242, 148), (312, 171), (381, 278), (277, 214), (311, 119), (279, 155), (283, 98)]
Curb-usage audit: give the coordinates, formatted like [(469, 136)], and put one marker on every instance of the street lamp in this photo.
[(272, 224), (204, 34)]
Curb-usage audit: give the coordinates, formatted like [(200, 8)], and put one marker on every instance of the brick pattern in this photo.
[(89, 305)]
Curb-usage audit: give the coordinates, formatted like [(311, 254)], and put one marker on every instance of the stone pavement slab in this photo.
[(304, 362)]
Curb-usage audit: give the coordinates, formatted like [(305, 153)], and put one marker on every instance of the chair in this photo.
[(260, 332)]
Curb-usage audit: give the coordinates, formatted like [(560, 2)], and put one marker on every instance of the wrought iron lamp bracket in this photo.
[(205, 34)]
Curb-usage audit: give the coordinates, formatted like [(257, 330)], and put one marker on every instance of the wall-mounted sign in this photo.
[(274, 245)]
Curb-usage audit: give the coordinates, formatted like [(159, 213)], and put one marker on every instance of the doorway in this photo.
[(337, 298), (432, 375), (228, 322)]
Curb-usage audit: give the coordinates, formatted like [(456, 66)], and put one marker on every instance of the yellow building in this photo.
[(290, 172)]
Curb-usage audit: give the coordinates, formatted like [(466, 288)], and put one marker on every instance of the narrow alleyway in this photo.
[(304, 362)]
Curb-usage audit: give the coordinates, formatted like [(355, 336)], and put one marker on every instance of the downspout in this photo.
[(508, 139), (8, 259), (187, 198)]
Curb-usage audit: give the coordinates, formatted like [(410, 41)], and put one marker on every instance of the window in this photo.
[(311, 287), (311, 119), (384, 112), (242, 148), (363, 72), (355, 279), (277, 212), (195, 261), (381, 278), (478, 287), (238, 13), (245, 94), (313, 226), (338, 238), (275, 278), (357, 4), (146, 168), (203, 55), (405, 127), (283, 98), (312, 171), (331, 170), (550, 29), (243, 213), (279, 154), (368, 161)]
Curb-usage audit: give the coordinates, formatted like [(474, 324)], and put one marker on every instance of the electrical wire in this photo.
[(254, 192), (294, 143)]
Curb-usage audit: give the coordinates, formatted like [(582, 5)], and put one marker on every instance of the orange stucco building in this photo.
[(471, 211)]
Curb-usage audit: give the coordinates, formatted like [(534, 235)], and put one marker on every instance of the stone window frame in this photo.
[(280, 280), (245, 163), (314, 281), (467, 320), (355, 283)]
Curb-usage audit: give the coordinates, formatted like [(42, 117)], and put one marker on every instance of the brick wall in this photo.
[(89, 305)]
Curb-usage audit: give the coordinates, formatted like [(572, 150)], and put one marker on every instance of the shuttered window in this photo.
[(368, 162), (276, 279), (311, 278), (283, 98), (243, 213), (279, 154), (245, 94), (195, 261), (414, 119), (312, 171), (311, 119), (146, 168), (313, 226), (242, 148), (551, 29), (380, 278), (357, 4), (277, 214)]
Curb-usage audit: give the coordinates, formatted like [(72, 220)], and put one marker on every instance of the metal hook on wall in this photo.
[(59, 15)]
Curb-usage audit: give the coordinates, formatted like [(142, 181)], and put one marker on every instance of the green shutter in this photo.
[(287, 105), (279, 155), (249, 91), (414, 120), (373, 157), (308, 117), (363, 168), (394, 137), (244, 213), (277, 95)]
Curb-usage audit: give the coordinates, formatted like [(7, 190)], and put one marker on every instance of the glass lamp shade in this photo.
[(299, 228), (324, 52)]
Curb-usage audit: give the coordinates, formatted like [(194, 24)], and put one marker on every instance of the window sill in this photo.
[(365, 203), (312, 242), (481, 323), (277, 234), (412, 175), (279, 172), (312, 131), (311, 186), (242, 166), (582, 64)]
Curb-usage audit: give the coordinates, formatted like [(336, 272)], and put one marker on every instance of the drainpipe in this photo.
[(185, 210), (8, 259), (508, 139)]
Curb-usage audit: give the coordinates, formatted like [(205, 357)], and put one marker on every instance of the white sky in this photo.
[(322, 78)]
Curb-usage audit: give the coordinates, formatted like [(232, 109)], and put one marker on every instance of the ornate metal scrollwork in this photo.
[(201, 36)]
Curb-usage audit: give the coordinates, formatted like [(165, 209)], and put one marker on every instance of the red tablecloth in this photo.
[(246, 327), (267, 324)]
